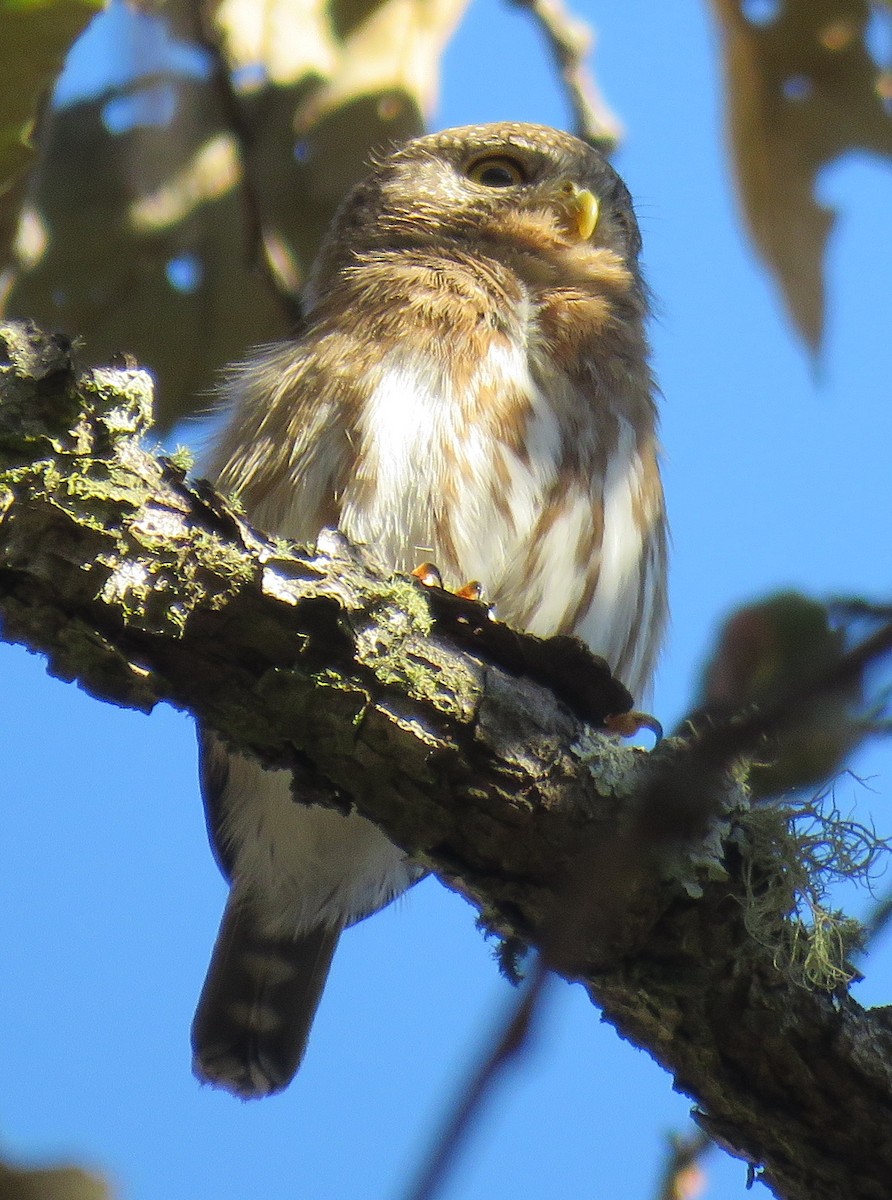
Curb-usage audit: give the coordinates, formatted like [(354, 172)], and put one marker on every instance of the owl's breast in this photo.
[(453, 461), (509, 475)]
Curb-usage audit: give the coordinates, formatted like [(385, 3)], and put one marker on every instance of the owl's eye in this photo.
[(498, 171)]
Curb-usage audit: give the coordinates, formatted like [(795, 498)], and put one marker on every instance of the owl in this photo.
[(469, 385)]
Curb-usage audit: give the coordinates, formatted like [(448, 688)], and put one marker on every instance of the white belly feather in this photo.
[(308, 865)]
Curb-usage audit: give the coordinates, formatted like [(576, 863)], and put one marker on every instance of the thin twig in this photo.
[(257, 251), (570, 41), (512, 1039)]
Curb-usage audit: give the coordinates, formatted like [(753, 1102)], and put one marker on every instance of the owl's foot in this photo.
[(429, 575), (631, 723)]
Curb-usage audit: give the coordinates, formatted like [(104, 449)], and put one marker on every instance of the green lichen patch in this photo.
[(182, 459), (104, 484), (610, 762), (792, 854), (336, 692), (392, 633), (410, 599), (39, 478), (399, 658), (122, 397)]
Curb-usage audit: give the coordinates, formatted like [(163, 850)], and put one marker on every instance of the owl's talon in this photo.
[(428, 574), (629, 724), (473, 590)]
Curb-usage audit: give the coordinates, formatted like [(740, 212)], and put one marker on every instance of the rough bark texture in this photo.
[(468, 744)]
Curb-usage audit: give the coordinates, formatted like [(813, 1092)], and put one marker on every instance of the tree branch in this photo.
[(468, 744)]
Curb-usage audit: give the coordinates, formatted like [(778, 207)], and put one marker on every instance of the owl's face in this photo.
[(485, 183)]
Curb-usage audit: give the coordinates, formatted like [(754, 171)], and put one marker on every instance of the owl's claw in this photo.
[(473, 590), (631, 723), (428, 573)]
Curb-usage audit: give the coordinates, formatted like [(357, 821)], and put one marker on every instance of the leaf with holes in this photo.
[(803, 89)]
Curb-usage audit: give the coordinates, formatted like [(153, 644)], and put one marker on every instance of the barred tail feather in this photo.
[(258, 1003)]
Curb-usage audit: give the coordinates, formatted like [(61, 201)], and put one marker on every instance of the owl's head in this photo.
[(523, 189)]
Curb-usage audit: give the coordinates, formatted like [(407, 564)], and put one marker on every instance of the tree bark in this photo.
[(476, 749)]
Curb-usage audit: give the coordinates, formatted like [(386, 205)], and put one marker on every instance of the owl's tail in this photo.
[(257, 1004)]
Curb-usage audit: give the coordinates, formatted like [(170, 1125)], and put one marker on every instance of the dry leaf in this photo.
[(802, 89)]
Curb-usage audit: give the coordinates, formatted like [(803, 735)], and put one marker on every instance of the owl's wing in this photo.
[(213, 775)]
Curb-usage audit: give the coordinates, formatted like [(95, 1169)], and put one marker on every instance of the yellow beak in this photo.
[(585, 212)]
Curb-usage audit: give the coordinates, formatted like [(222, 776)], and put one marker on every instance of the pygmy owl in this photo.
[(470, 385)]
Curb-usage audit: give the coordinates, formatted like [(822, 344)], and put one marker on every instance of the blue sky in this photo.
[(777, 475)]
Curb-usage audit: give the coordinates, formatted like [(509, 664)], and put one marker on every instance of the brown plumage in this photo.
[(470, 385)]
